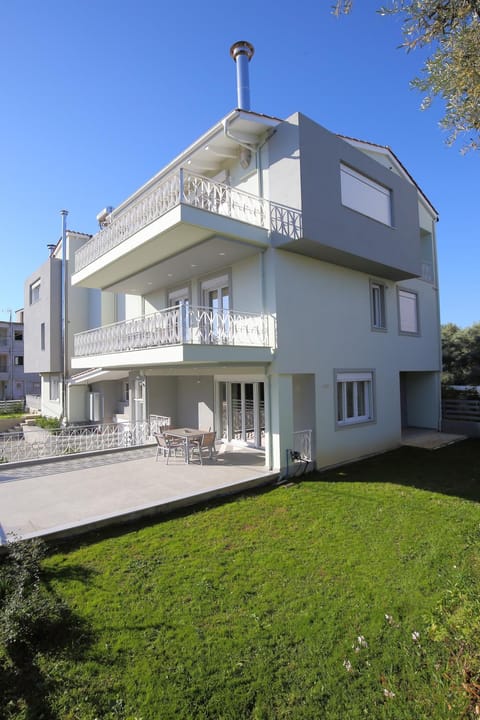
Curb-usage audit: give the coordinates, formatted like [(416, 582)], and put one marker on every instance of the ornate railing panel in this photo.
[(195, 190), (286, 221), (302, 444), (38, 443), (175, 326)]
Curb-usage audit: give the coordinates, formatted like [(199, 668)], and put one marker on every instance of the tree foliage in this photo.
[(452, 71), (461, 354)]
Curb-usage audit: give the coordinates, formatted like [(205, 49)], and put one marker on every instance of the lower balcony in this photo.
[(181, 334)]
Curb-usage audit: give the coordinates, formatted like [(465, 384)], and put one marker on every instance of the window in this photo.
[(365, 196), (354, 397), (3, 363), (377, 306), (35, 292), (42, 336), (408, 312), (54, 388), (18, 335), (18, 360)]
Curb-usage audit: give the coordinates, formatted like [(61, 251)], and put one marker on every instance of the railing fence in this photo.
[(35, 443)]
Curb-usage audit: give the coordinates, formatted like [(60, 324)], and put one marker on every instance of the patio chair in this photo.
[(168, 446), (204, 447)]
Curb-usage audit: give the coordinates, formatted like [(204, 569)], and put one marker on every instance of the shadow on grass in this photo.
[(452, 470), (24, 687)]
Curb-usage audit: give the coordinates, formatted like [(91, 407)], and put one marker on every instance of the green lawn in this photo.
[(352, 593)]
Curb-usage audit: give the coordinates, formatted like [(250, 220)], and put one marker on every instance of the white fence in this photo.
[(302, 444), (35, 443)]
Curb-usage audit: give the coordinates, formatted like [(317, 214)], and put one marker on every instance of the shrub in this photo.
[(27, 609), (47, 423)]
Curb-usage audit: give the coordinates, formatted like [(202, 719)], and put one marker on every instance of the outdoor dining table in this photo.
[(187, 435)]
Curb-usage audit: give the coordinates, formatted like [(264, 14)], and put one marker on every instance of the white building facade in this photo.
[(278, 279)]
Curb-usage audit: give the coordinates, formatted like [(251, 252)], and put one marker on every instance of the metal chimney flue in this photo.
[(242, 52)]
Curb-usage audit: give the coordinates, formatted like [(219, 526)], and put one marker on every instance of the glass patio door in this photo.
[(242, 412), (217, 301)]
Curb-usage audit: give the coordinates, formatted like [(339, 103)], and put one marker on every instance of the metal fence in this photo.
[(34, 443), (302, 444)]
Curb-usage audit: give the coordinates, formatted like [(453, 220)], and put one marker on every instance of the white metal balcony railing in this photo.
[(185, 187), (175, 326)]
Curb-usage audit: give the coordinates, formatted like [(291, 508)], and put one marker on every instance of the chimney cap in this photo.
[(242, 47)]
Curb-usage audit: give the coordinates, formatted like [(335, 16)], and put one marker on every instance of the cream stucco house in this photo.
[(280, 286)]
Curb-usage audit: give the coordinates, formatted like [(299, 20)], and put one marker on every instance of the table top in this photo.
[(185, 432)]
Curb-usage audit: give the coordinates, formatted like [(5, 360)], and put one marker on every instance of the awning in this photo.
[(94, 375)]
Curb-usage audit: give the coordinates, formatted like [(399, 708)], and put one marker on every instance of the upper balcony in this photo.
[(174, 216), (178, 334)]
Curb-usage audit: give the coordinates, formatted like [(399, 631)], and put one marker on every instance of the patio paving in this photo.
[(74, 495)]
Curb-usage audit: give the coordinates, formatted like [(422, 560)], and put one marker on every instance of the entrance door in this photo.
[(242, 412)]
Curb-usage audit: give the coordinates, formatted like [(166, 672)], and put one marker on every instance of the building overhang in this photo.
[(177, 355)]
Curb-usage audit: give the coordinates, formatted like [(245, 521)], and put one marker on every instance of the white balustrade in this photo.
[(302, 444), (188, 188), (175, 326), (39, 443)]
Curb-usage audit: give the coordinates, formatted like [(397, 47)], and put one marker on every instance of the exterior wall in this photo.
[(324, 325), (51, 407), (333, 232), (195, 403), (47, 311)]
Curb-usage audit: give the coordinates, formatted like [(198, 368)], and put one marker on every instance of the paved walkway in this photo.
[(65, 497)]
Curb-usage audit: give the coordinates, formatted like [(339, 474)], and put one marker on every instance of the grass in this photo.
[(348, 594)]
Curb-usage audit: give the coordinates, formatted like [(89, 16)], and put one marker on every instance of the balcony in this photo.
[(173, 211), (178, 334)]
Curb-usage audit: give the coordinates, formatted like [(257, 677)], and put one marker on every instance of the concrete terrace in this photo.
[(74, 495)]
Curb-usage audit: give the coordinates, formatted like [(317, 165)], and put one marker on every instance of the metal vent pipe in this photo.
[(242, 52)]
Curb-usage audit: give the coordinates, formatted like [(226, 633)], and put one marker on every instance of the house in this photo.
[(54, 312), (280, 287), (16, 383)]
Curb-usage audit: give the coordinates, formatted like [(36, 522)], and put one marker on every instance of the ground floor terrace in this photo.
[(327, 417)]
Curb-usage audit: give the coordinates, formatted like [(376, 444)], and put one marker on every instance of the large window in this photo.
[(408, 312), (354, 397), (377, 306), (366, 196)]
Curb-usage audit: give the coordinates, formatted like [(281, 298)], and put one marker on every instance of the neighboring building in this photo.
[(278, 278), (15, 382), (46, 343)]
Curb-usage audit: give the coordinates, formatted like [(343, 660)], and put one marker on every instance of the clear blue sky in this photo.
[(97, 95)]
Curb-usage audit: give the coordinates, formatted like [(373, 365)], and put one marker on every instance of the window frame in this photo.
[(362, 188), (346, 380), (378, 307), (34, 291), (403, 292)]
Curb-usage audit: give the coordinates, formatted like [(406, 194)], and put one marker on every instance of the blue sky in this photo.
[(98, 95)]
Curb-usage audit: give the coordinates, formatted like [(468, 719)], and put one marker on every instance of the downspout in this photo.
[(64, 319)]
